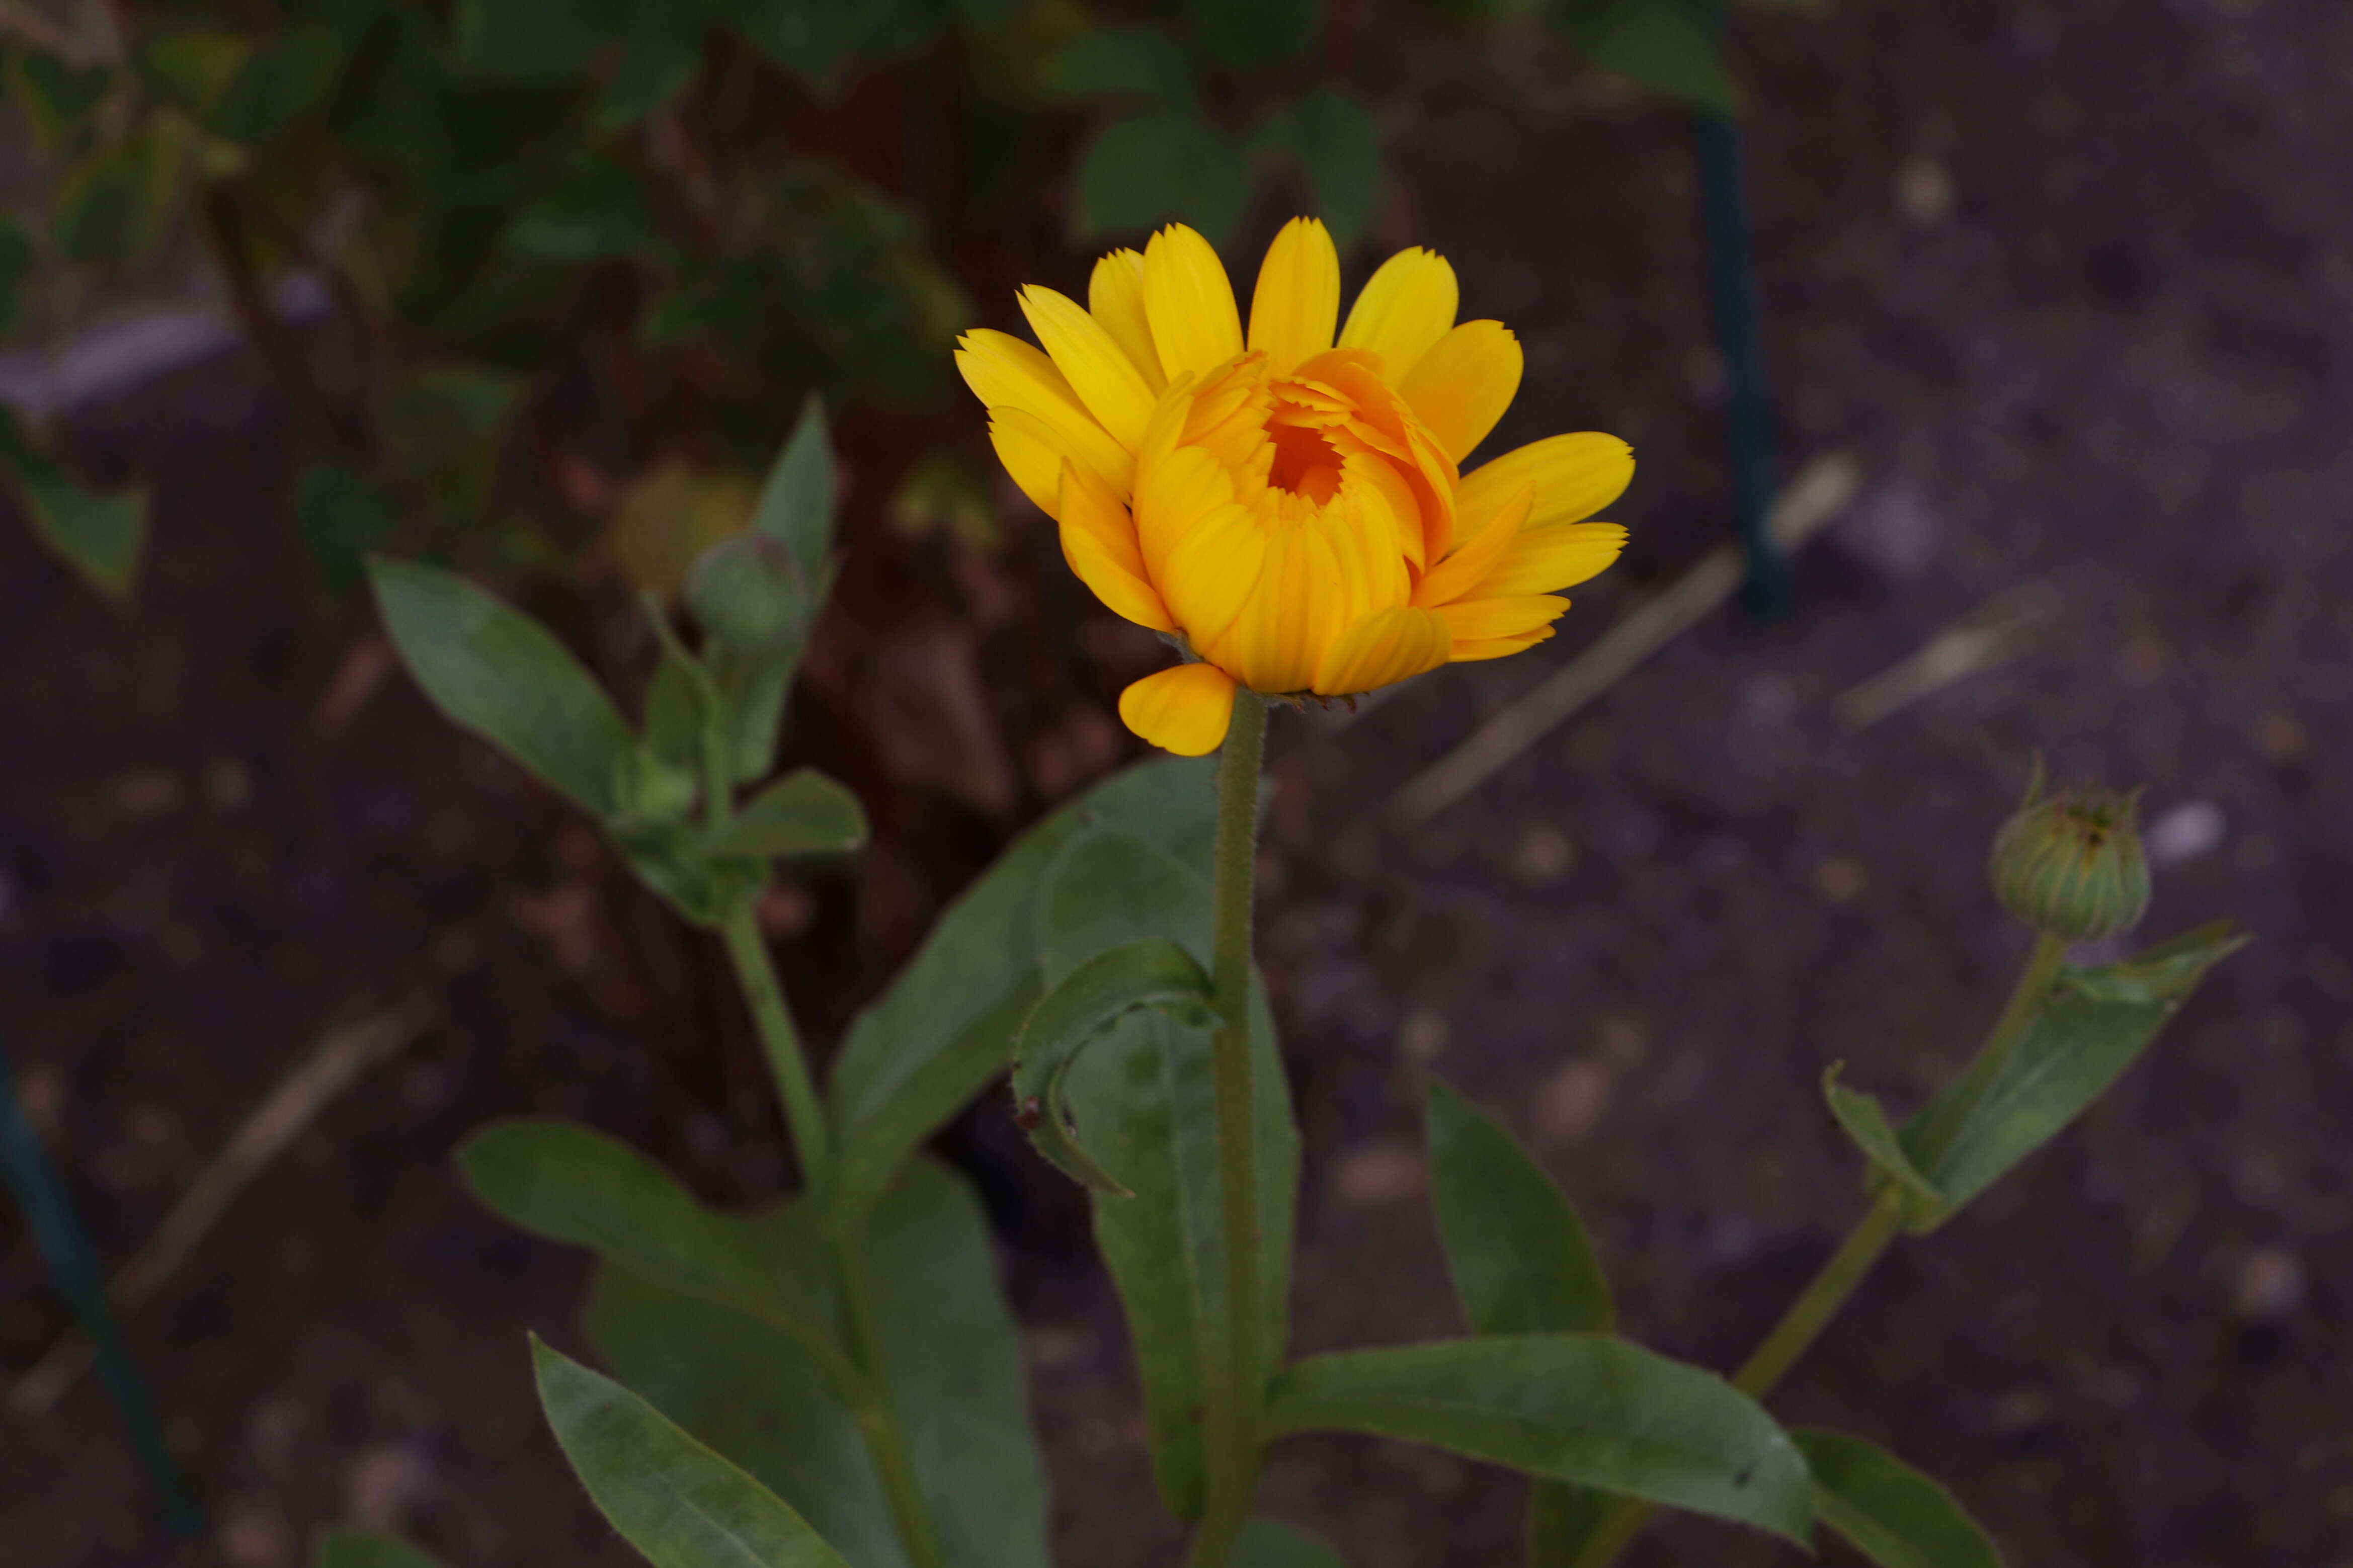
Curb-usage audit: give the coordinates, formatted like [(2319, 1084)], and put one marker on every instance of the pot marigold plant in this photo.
[(1289, 504), (834, 1379)]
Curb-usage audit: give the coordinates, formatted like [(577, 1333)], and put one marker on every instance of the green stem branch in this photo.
[(1237, 1388), (748, 950)]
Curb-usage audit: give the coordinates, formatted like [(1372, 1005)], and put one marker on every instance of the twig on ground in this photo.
[(1817, 495), (1993, 634), (341, 1058)]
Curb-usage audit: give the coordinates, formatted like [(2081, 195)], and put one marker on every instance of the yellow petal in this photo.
[(1087, 503), (1032, 452), (1575, 476), (1115, 299), (1462, 386), (1498, 647), (1172, 494), (1097, 371), (1476, 557), (1210, 575), (1382, 648), (1406, 306), (1189, 303), (1297, 300), (1185, 710), (1293, 612), (1128, 596), (1556, 556), (1006, 373), (1477, 620)]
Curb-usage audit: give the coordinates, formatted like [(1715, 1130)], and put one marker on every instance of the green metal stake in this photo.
[(60, 1242), (1731, 282)]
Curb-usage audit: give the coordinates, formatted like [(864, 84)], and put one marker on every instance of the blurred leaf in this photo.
[(1267, 1542), (188, 69), (753, 684), (284, 82), (796, 502), (1660, 46), (748, 592), (556, 40), (1589, 1409), (671, 1497), (58, 100), (815, 41), (445, 428), (349, 1546), (1147, 1095), (1518, 1255), (1331, 140), (1124, 64), (804, 813), (100, 533), (646, 82), (675, 709), (1245, 36), (949, 1347), (18, 272), (1562, 1516), (945, 1027), (1860, 1116), (1892, 1513), (1155, 973), (2077, 1044), (110, 209), (1157, 165), (495, 671), (603, 209), (340, 514)]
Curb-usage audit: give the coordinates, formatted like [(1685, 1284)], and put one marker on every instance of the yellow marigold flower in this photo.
[(1292, 511)]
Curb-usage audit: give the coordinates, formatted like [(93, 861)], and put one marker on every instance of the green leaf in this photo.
[(1894, 1515), (1590, 1408), (1153, 973), (1562, 1516), (753, 684), (109, 210), (1147, 1095), (341, 513), (495, 671), (668, 854), (445, 427), (187, 70), (1124, 63), (1517, 1251), (349, 1546), (1659, 46), (949, 1348), (815, 41), (947, 1026), (1330, 139), (797, 503), (2092, 1027), (58, 100), (672, 1498), (550, 40), (804, 813), (1867, 1124), (674, 708), (1109, 887), (1165, 164), (1246, 36), (1266, 1542), (284, 82), (98, 533)]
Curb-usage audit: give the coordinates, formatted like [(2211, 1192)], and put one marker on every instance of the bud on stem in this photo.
[(2071, 866)]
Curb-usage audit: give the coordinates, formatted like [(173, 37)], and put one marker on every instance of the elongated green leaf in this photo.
[(947, 1026), (1562, 1516), (349, 1546), (569, 1183), (796, 510), (1590, 1408), (1894, 1515), (109, 210), (670, 1496), (1867, 1124), (797, 501), (495, 671), (1518, 1255), (804, 813), (98, 533), (1147, 1095), (1110, 888), (949, 1348), (2094, 1027), (1155, 973), (1267, 1542)]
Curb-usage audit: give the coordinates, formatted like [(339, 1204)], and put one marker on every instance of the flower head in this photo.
[(1290, 505), (2071, 866)]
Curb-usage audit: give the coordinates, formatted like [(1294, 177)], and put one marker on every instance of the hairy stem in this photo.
[(778, 1040), (1236, 1389)]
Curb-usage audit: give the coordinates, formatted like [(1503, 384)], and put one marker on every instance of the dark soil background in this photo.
[(2074, 283)]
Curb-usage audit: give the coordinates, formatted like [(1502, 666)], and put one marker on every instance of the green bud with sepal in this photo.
[(749, 591), (2071, 866)]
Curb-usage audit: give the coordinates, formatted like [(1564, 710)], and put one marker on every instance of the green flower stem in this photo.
[(781, 1043), (1807, 1316), (1238, 1389)]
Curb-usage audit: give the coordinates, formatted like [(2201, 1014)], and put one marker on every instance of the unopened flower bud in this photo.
[(2071, 866), (747, 590)]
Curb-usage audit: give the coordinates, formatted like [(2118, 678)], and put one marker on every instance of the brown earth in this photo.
[(2074, 284)]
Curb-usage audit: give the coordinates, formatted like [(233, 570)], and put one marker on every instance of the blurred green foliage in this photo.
[(643, 232)]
